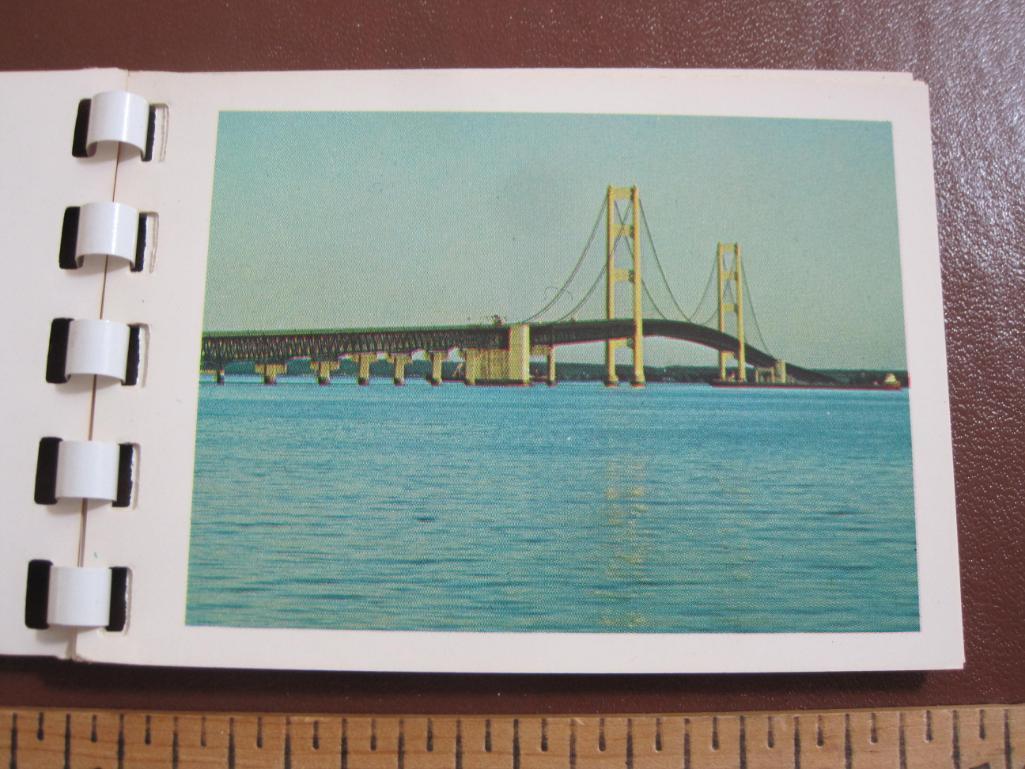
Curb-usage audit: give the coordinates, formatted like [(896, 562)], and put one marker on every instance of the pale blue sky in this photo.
[(343, 220)]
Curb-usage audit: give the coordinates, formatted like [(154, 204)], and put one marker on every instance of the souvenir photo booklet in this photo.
[(485, 371)]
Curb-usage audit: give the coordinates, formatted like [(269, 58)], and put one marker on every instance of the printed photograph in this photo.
[(575, 373)]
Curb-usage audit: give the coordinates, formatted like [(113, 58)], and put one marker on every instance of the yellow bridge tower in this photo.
[(731, 272), (629, 231)]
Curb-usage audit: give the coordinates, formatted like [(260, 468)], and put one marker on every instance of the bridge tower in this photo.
[(731, 271), (630, 231)]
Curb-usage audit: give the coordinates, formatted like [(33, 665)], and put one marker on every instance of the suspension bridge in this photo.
[(500, 352)]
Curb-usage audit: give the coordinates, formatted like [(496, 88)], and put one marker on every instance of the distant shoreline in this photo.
[(572, 372)]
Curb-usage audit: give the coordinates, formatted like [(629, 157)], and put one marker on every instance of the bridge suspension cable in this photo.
[(711, 316), (576, 268), (704, 295), (601, 273), (754, 315), (590, 291), (652, 301), (658, 263)]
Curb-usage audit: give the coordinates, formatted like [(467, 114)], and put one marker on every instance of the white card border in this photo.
[(152, 538)]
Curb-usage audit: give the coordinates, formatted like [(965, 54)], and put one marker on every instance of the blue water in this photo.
[(676, 508)]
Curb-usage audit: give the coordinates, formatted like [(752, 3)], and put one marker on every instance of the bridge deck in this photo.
[(221, 347)]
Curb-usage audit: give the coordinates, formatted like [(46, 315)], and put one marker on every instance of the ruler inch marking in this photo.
[(371, 742), (1016, 725), (201, 740), (982, 739), (429, 742), (515, 745), (902, 756), (742, 743), (401, 745), (930, 738), (969, 737), (120, 740), (67, 741), (314, 742), (47, 750), (797, 742), (657, 743), (343, 746), (572, 744), (825, 745), (848, 748), (715, 741), (686, 743), (1007, 739), (487, 743), (12, 745), (544, 743), (955, 741), (604, 744), (286, 751)]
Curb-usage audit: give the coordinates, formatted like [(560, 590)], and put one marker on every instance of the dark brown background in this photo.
[(970, 54)]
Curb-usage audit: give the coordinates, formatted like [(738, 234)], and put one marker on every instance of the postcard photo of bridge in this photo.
[(560, 373)]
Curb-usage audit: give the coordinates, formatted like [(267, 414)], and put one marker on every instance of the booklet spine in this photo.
[(71, 597)]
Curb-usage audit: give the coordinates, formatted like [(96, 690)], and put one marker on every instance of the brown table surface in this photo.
[(972, 55)]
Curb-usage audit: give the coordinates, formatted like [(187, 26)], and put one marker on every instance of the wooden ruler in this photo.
[(985, 737)]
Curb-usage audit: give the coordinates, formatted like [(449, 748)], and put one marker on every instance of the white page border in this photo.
[(152, 538)]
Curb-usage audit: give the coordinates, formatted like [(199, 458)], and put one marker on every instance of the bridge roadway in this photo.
[(261, 347)]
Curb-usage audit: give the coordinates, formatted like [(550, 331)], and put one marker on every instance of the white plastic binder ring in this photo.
[(98, 348), (107, 229), (87, 470), (118, 116), (79, 597)]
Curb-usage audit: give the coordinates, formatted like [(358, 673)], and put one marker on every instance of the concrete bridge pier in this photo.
[(774, 374), (517, 359), (399, 361), (471, 366), (323, 369), (509, 366), (216, 373), (270, 372), (780, 371), (363, 361), (438, 358), (548, 352)]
